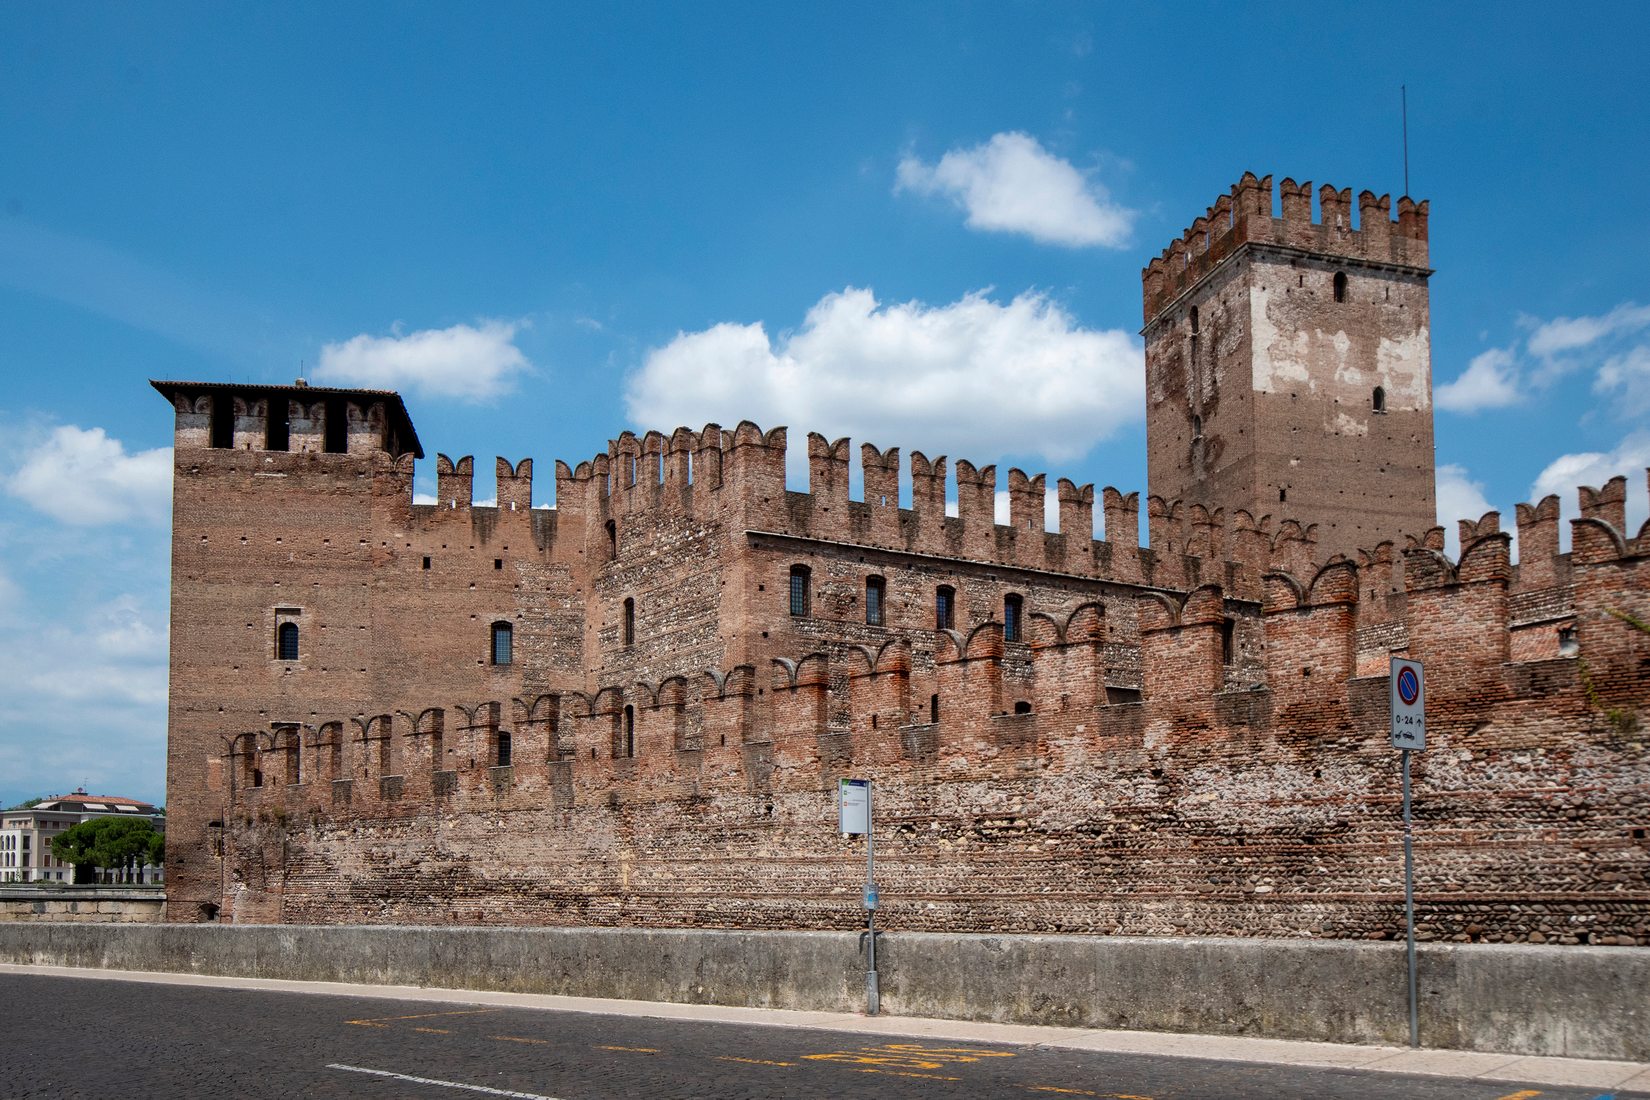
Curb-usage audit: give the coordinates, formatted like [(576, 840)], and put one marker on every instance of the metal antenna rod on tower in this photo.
[(1403, 93)]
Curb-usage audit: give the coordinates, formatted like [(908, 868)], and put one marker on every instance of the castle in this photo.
[(633, 708)]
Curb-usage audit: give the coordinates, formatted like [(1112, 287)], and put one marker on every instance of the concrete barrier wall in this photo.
[(1573, 1001), (118, 905)]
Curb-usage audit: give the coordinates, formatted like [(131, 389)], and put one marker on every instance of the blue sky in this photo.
[(547, 223)]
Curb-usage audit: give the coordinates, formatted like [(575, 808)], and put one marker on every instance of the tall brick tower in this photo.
[(274, 492), (1288, 364)]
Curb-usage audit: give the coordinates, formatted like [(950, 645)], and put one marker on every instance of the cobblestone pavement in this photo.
[(78, 1037)]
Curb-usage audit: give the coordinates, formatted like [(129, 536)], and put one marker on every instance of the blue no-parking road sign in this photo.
[(1409, 700)]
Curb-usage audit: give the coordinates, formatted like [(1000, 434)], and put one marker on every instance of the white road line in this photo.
[(442, 1084)]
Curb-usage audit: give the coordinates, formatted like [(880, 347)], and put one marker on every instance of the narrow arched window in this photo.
[(1022, 707), (799, 589), (945, 602), (934, 707), (1195, 328), (629, 622), (503, 643), (503, 755), (612, 539), (1379, 399), (875, 590), (1340, 286), (629, 745), (1013, 606), (286, 642)]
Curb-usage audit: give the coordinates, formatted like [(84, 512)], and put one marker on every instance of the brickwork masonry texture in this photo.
[(1246, 216), (1188, 737), (632, 709)]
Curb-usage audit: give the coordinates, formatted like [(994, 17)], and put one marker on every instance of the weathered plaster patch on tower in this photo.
[(1347, 368), (1405, 365), (1279, 359), (1347, 425)]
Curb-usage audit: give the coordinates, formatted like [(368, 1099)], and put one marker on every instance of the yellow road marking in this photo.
[(871, 1058), (384, 1021), (518, 1039), (950, 1054), (1527, 1094), (633, 1050), (909, 1055), (903, 1073), (433, 1030), (751, 1061), (1085, 1092)]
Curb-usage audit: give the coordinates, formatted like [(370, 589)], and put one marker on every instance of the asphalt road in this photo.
[(80, 1037)]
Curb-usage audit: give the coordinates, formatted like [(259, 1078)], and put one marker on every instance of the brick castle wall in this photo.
[(1185, 735), (1202, 748)]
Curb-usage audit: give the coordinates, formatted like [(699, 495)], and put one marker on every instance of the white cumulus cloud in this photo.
[(1563, 334), (1626, 378), (84, 477), (975, 379), (11, 598), (1011, 184), (468, 362), (1489, 382), (1459, 498), (1629, 458)]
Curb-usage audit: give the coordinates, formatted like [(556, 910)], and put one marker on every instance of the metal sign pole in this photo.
[(873, 997), (1409, 909), (1407, 700)]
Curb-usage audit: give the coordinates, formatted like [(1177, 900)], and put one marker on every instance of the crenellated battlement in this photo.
[(300, 419), (737, 479), (1072, 700), (1458, 615), (1246, 217)]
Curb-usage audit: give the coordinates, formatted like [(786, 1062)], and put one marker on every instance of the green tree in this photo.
[(118, 844), (29, 803), (77, 845), (126, 845)]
